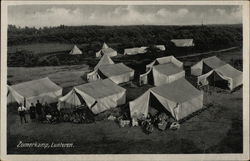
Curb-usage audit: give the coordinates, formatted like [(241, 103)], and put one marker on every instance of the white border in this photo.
[(244, 156)]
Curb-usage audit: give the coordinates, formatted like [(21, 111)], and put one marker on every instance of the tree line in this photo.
[(208, 37), (205, 37)]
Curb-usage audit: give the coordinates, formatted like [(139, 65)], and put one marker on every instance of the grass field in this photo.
[(217, 129)]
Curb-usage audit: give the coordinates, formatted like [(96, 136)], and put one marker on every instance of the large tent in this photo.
[(118, 73), (99, 96), (183, 42), (216, 72), (179, 99), (106, 50), (136, 50), (75, 51), (29, 92), (163, 70)]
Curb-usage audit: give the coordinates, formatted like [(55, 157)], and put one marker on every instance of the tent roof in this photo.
[(178, 91), (183, 42), (214, 62), (168, 68), (36, 87), (75, 50), (101, 88), (104, 61), (161, 47), (105, 46), (229, 71), (136, 50), (165, 59), (107, 50), (115, 69)]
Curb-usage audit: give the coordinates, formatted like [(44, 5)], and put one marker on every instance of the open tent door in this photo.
[(155, 106), (216, 80)]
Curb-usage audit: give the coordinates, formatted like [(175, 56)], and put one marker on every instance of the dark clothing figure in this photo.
[(32, 112), (39, 110), (46, 109), (21, 112)]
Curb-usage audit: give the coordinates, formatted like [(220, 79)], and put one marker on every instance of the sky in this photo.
[(75, 15)]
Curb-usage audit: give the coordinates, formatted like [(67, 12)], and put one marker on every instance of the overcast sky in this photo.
[(54, 15)]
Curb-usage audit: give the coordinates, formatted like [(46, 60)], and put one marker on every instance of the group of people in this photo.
[(161, 120), (37, 112)]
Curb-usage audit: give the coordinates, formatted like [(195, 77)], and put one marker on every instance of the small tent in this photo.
[(135, 51), (105, 60), (160, 47), (75, 51), (106, 50), (216, 72), (99, 96), (118, 73), (179, 99), (105, 46), (183, 42), (163, 70), (29, 92)]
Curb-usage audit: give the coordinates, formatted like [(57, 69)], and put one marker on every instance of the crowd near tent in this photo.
[(183, 42), (178, 99), (216, 72), (106, 50), (99, 96), (160, 47), (106, 68), (135, 51), (29, 92), (163, 70), (75, 51)]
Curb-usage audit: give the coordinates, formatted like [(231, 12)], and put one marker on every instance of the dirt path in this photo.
[(207, 53)]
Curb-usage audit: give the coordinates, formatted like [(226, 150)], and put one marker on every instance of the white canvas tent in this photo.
[(105, 60), (178, 98), (214, 71), (136, 50), (105, 46), (29, 92), (106, 50), (183, 42), (160, 47), (99, 96), (163, 70), (118, 73), (75, 51)]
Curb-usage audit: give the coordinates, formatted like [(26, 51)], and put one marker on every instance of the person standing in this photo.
[(39, 110), (32, 112), (21, 112), (47, 108)]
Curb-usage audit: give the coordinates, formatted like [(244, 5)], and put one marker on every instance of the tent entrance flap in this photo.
[(215, 80), (151, 78), (157, 105)]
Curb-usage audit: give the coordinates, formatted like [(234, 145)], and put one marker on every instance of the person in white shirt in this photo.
[(21, 112)]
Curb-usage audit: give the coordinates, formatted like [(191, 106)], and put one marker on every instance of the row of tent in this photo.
[(172, 91), (106, 50), (179, 98)]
